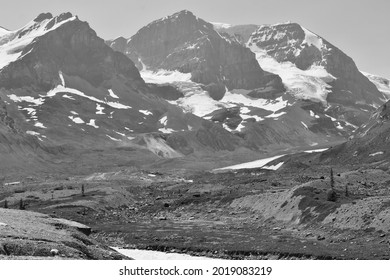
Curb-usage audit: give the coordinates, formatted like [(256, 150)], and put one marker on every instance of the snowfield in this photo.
[(310, 84), (197, 101), (253, 164), (156, 255)]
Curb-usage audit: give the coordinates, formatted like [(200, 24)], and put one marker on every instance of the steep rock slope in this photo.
[(189, 44), (326, 97), (63, 87)]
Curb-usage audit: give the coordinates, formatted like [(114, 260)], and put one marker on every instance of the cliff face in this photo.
[(189, 44)]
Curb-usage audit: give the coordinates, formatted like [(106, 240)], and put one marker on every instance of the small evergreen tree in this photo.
[(331, 179), (5, 204), (346, 191), (21, 204), (82, 190), (331, 195)]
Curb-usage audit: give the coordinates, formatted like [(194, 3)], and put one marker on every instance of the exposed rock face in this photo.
[(189, 44)]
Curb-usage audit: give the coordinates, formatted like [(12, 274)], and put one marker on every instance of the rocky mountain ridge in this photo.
[(324, 95)]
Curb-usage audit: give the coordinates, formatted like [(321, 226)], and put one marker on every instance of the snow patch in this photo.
[(112, 94), (376, 154), (29, 99), (68, 96), (146, 112), (166, 130), (60, 88), (253, 164), (76, 119), (34, 133), (99, 109), (40, 125), (273, 167), (315, 151), (62, 79), (164, 120), (112, 138), (92, 122), (156, 255)]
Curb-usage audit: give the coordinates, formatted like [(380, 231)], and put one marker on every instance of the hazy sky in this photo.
[(361, 28)]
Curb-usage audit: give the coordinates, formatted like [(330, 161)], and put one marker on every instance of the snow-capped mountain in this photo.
[(323, 98), (62, 88), (185, 43), (200, 93)]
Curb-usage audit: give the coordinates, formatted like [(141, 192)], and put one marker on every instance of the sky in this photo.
[(359, 28)]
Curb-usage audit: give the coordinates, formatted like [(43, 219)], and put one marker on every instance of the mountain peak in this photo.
[(43, 16), (183, 12)]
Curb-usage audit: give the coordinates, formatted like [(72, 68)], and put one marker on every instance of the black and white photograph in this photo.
[(195, 130)]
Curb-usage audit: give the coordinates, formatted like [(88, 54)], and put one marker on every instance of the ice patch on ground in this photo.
[(252, 164), (156, 255)]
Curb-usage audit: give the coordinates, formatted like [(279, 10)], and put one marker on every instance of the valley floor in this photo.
[(241, 214)]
